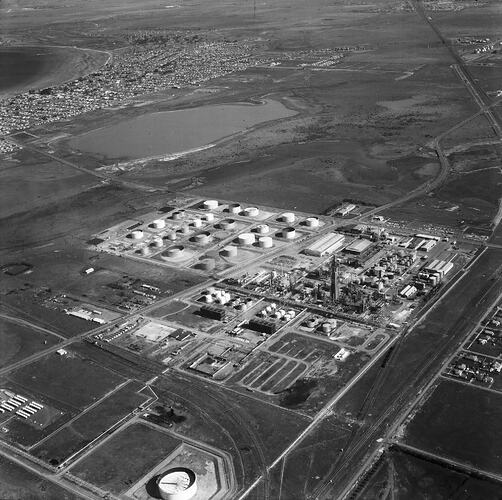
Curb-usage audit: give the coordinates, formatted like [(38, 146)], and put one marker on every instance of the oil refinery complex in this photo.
[(284, 309), (287, 296)]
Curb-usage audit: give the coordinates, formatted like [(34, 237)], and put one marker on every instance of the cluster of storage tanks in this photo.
[(324, 326), (222, 297), (273, 312), (247, 239)]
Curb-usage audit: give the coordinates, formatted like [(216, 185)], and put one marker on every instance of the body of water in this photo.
[(20, 66), (174, 132)]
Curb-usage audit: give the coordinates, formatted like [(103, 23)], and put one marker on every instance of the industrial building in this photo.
[(438, 267), (427, 245), (262, 326), (328, 244), (408, 291), (345, 210), (358, 246), (213, 312)]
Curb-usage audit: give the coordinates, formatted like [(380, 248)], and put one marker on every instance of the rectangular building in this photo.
[(213, 312), (328, 244), (428, 245), (358, 246), (262, 326)]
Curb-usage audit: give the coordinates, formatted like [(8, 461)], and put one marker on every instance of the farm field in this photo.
[(88, 426), (126, 457), (415, 477), (19, 341), (460, 423), (18, 482), (69, 380)]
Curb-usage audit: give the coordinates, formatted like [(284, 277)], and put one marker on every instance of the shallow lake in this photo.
[(172, 132), (20, 66)]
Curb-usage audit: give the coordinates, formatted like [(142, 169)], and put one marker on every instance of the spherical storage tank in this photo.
[(137, 235), (288, 217), (289, 233), (312, 222), (210, 204), (266, 242), (178, 483), (159, 224), (246, 238)]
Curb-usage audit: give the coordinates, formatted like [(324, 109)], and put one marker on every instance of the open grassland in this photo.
[(87, 427), (410, 476), (19, 341), (71, 380), (126, 457), (19, 483), (461, 423)]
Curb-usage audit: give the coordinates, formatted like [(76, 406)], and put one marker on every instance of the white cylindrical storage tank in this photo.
[(209, 265), (227, 224), (288, 217), (137, 235), (174, 251), (178, 483), (246, 239), (312, 222), (171, 236), (184, 229), (266, 242), (251, 211), (326, 327), (210, 204), (177, 215), (229, 251), (311, 323), (144, 251), (157, 243), (197, 223), (208, 217), (208, 299), (262, 229), (159, 224), (289, 233), (203, 238), (234, 208)]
